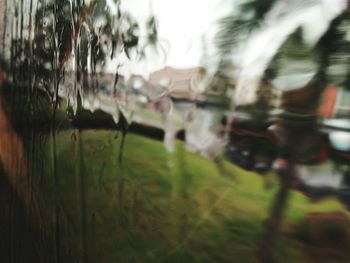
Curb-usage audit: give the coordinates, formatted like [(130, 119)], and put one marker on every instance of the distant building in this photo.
[(180, 83), (328, 102), (335, 102)]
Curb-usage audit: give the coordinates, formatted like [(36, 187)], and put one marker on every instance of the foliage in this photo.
[(330, 53), (76, 36)]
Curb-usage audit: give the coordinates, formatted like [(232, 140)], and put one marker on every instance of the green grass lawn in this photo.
[(160, 207)]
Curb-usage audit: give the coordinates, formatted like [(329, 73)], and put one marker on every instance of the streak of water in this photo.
[(313, 17)]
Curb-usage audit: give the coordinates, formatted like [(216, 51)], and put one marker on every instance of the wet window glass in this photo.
[(174, 131)]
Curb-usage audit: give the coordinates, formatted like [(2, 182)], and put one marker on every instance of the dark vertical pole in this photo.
[(286, 174)]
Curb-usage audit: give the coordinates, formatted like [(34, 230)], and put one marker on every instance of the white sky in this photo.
[(182, 23)]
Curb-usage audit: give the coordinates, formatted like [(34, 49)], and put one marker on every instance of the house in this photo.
[(335, 103), (180, 83)]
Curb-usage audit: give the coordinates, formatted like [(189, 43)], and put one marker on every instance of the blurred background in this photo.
[(174, 131)]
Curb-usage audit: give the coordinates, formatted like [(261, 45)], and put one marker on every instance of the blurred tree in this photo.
[(76, 36), (328, 62)]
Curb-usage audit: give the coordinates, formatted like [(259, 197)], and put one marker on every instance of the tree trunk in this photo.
[(286, 174)]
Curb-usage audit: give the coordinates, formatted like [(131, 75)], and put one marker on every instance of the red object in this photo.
[(328, 102)]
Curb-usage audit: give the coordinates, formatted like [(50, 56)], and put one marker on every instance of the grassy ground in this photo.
[(160, 207)]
